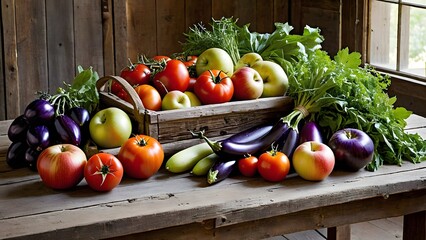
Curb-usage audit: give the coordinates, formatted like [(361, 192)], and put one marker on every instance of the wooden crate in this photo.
[(171, 127)]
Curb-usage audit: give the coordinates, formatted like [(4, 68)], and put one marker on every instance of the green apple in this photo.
[(247, 60), (110, 127), (214, 58), (275, 81), (175, 100), (195, 101)]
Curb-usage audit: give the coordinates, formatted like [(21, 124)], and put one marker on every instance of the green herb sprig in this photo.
[(81, 92)]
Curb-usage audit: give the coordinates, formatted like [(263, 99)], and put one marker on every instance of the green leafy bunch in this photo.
[(81, 92), (364, 104)]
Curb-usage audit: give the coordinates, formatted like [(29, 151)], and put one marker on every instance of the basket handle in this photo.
[(138, 107)]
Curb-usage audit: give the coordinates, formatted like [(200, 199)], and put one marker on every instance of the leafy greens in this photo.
[(337, 93)]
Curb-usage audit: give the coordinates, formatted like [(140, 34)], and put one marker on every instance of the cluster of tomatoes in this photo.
[(271, 165), (140, 157), (153, 78)]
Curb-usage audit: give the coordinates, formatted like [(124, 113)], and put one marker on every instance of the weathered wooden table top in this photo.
[(182, 204)]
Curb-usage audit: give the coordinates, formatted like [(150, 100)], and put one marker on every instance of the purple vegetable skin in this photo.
[(310, 132), (67, 130)]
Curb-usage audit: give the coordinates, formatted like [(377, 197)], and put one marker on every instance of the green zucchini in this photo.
[(203, 166), (185, 159)]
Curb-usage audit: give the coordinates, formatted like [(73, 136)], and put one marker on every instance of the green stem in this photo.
[(215, 146)]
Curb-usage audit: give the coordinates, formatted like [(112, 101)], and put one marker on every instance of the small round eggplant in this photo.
[(38, 137), (39, 111), (310, 132), (80, 115), (15, 156), (31, 156), (18, 129), (67, 130)]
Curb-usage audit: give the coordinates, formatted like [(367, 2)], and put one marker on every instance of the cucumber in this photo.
[(203, 166), (185, 159)]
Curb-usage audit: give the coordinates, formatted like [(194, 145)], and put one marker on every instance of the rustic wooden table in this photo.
[(184, 207)]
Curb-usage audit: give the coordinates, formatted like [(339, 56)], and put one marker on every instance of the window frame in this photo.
[(396, 73)]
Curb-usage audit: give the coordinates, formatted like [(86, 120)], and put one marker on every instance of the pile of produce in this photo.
[(62, 117), (338, 95), (343, 117)]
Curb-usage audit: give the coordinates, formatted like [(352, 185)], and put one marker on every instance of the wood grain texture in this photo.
[(11, 106), (88, 35), (237, 208), (31, 43), (60, 42)]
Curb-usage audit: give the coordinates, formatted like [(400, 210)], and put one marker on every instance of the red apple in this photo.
[(313, 160), (61, 166), (248, 84)]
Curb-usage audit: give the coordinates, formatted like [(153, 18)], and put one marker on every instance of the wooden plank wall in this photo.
[(43, 41)]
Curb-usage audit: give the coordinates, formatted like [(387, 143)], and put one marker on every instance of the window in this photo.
[(397, 37)]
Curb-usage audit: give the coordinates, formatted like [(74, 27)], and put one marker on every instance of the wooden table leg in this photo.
[(339, 233), (415, 226)]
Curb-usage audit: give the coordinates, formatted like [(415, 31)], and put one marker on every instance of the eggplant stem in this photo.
[(216, 146), (212, 176)]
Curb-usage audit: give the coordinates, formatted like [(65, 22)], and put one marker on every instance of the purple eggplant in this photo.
[(230, 149), (31, 156), (15, 156), (18, 129), (38, 137), (80, 115), (250, 134), (310, 132), (39, 111), (67, 130), (220, 171), (291, 142)]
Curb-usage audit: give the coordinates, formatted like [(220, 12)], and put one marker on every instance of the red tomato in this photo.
[(115, 87), (190, 61), (150, 97), (174, 76), (103, 172), (273, 165), (214, 86), (141, 156), (123, 95), (136, 74), (248, 166), (160, 58)]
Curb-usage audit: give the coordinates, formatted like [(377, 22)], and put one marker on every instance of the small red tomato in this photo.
[(248, 166), (136, 74), (103, 172), (115, 87), (161, 58), (123, 95), (190, 61), (150, 97), (214, 86), (273, 165), (141, 156)]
